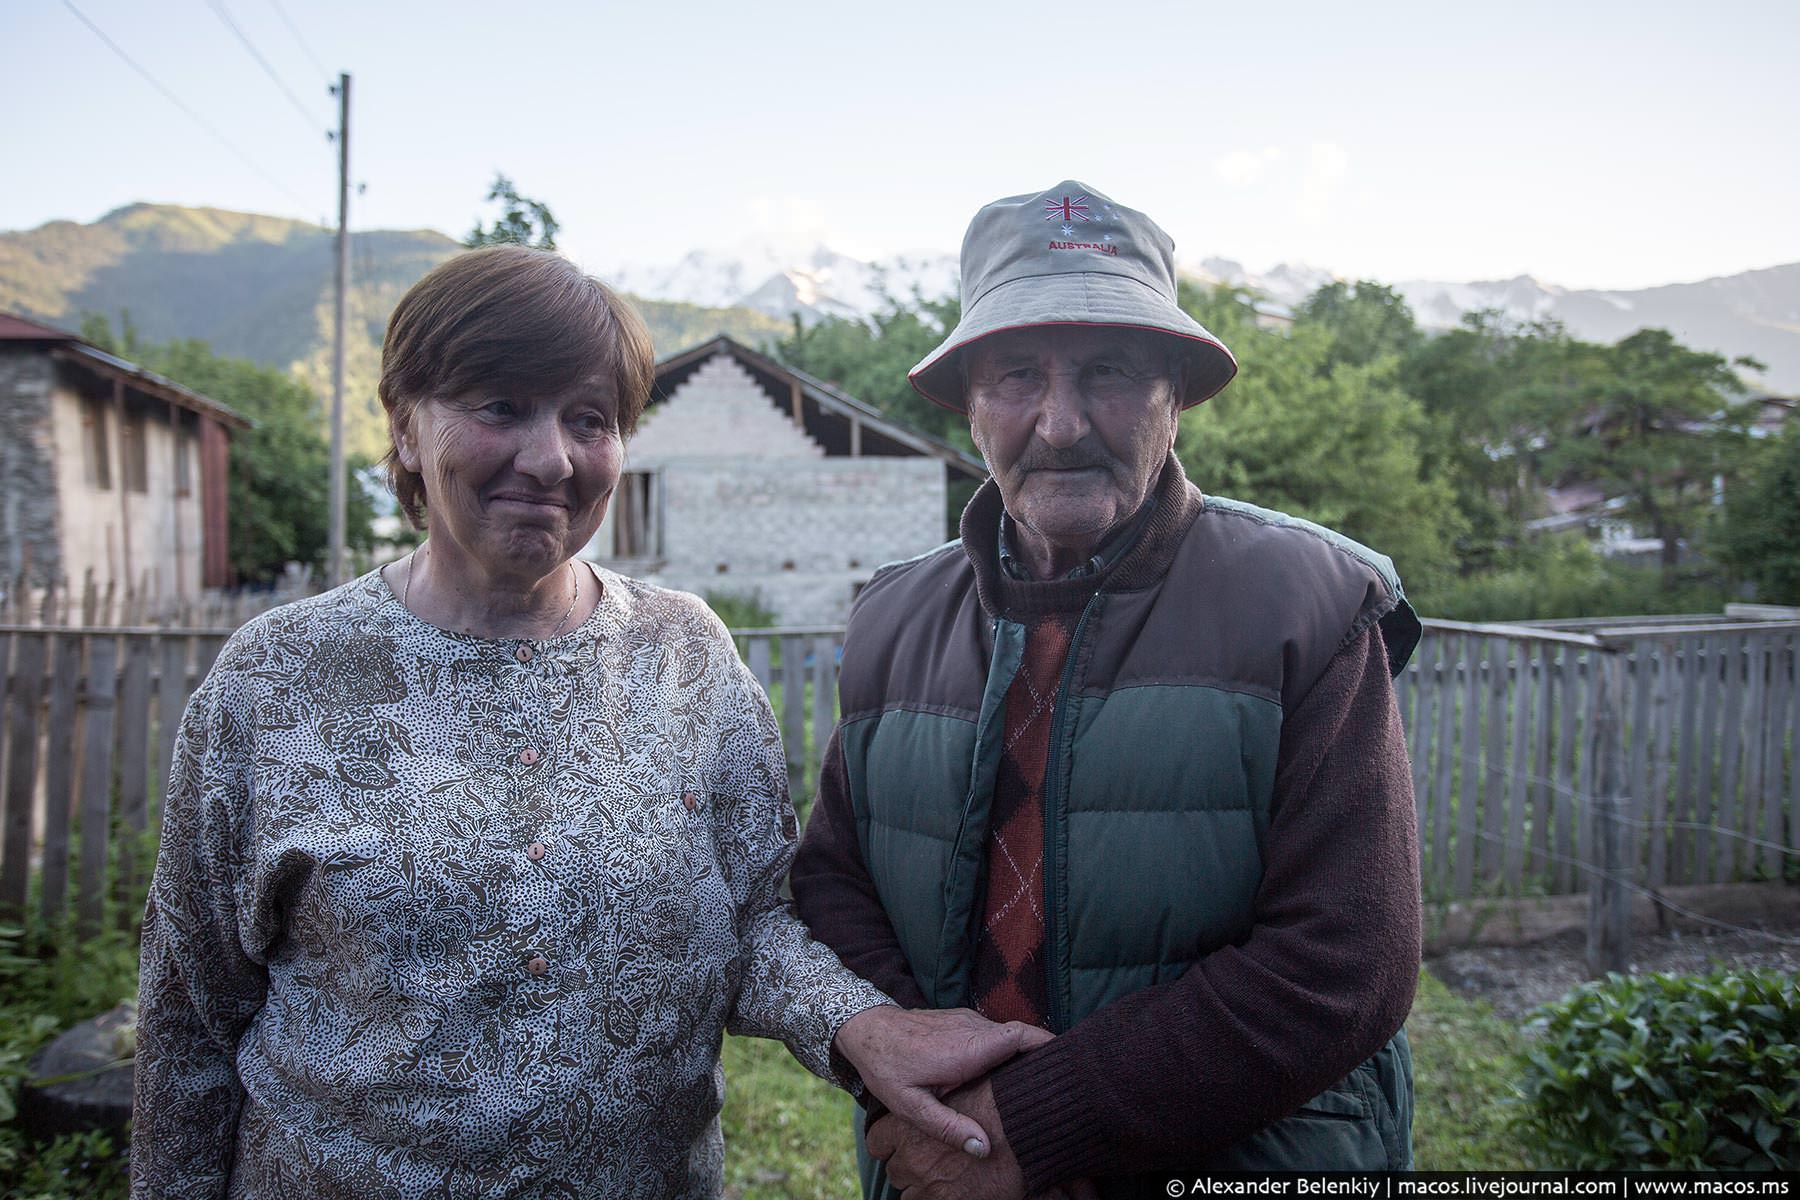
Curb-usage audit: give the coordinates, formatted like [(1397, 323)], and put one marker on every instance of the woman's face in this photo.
[(518, 482)]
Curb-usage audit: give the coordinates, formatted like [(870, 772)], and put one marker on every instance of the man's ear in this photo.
[(1177, 393), (975, 436)]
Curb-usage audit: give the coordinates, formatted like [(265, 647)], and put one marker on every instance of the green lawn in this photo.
[(1466, 1062), (787, 1134)]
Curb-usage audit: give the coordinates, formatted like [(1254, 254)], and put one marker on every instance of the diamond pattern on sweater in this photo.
[(1008, 981)]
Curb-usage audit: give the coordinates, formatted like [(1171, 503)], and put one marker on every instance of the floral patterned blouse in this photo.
[(439, 916)]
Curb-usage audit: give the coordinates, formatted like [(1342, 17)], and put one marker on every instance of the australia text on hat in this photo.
[(1102, 247)]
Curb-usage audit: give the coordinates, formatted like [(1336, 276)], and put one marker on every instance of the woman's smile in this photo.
[(529, 502)]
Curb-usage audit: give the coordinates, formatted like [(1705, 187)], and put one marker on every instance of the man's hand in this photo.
[(924, 1169), (907, 1057)]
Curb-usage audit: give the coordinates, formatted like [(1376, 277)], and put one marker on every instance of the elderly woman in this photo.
[(467, 864)]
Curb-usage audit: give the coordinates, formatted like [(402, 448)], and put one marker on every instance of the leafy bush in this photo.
[(75, 1166), (1565, 576), (741, 610), (1669, 1071)]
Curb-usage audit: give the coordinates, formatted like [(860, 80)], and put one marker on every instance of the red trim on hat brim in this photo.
[(912, 377)]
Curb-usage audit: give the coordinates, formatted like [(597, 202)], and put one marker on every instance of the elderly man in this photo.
[(1123, 762)]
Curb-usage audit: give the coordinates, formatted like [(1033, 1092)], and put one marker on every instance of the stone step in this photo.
[(78, 1082)]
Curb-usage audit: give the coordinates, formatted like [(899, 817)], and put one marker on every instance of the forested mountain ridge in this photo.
[(260, 288)]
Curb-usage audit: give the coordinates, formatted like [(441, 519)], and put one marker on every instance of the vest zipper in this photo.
[(963, 998), (1053, 775)]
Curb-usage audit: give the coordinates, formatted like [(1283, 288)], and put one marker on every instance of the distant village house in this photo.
[(1583, 504), (752, 479), (107, 468)]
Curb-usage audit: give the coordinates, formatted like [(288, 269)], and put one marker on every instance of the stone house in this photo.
[(109, 468), (749, 478)]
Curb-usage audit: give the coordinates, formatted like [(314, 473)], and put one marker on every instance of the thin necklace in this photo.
[(574, 593)]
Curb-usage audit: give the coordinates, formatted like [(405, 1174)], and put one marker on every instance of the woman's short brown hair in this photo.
[(507, 318)]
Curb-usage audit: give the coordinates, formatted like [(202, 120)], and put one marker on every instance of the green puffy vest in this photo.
[(1162, 764)]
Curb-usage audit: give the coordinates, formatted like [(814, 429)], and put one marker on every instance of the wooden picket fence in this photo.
[(89, 720), (140, 603), (1691, 729), (1534, 750), (87, 731), (798, 670)]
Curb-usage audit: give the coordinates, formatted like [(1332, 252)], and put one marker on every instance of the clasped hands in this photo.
[(941, 1137)]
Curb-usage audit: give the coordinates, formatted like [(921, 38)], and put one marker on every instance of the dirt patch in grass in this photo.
[(1519, 954)]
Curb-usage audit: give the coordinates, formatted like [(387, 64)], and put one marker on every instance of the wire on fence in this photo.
[(1469, 759), (1650, 893)]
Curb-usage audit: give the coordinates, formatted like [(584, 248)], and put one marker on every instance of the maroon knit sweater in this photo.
[(1170, 1074)]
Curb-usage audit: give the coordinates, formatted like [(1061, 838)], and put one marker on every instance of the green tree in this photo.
[(279, 492), (96, 330), (870, 359), (522, 221), (1658, 424), (1333, 441), (1365, 319), (1760, 535), (1494, 391)]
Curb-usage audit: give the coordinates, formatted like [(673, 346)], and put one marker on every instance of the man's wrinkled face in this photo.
[(1075, 423)]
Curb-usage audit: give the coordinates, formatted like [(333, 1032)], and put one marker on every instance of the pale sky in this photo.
[(1590, 144)]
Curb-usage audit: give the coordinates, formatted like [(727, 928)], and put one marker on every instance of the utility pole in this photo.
[(335, 560)]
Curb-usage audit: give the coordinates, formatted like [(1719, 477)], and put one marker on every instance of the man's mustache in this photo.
[(1074, 458)]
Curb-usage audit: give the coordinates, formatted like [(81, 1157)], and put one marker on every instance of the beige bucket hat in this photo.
[(1069, 256)]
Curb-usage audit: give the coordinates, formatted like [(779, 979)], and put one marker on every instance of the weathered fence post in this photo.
[(26, 685), (793, 707), (59, 772), (1609, 900), (96, 782)]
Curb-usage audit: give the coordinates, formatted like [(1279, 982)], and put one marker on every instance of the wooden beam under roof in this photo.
[(118, 371)]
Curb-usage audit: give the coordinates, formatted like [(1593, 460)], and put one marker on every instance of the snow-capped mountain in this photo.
[(1284, 283), (814, 281), (1439, 305)]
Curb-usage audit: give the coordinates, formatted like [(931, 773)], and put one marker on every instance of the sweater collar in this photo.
[(1111, 550), (1174, 503)]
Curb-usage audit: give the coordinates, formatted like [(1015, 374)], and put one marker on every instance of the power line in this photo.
[(182, 105), (295, 30), (218, 7), (1472, 760)]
